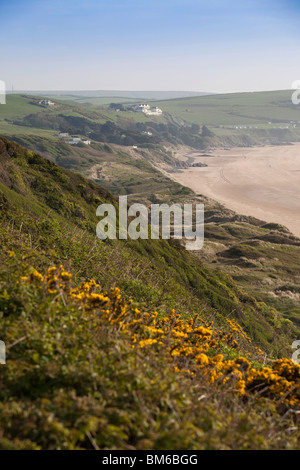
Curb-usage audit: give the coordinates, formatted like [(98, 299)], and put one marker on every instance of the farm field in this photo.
[(235, 109)]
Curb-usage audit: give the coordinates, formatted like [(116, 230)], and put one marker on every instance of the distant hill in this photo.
[(139, 95), (257, 108)]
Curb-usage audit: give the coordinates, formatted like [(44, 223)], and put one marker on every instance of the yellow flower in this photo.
[(65, 276), (202, 359), (147, 342), (36, 276)]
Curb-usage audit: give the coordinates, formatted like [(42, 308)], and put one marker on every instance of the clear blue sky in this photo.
[(196, 45)]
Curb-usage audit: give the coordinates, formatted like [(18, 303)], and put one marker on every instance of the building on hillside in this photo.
[(142, 108), (74, 141), (154, 111), (146, 109), (46, 103), (78, 140)]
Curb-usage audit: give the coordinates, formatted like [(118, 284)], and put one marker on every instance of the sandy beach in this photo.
[(263, 182)]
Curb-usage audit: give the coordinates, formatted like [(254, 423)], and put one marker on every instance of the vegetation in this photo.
[(269, 270), (128, 345), (93, 371), (234, 108)]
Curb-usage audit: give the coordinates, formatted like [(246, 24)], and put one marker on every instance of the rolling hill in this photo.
[(110, 344), (264, 259), (111, 95), (236, 108)]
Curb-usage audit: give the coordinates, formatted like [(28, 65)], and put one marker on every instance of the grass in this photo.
[(90, 366), (93, 371), (238, 108), (17, 105), (168, 273), (124, 171), (94, 101)]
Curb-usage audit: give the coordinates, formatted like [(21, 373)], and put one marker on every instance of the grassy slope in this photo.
[(49, 197), (123, 170), (268, 113), (17, 105), (236, 108), (72, 382), (95, 101)]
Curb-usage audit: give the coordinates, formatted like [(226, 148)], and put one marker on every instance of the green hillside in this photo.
[(141, 174), (16, 105), (103, 346), (240, 119), (237, 108), (262, 258), (65, 203)]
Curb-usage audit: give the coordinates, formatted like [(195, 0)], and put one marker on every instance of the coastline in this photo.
[(263, 182)]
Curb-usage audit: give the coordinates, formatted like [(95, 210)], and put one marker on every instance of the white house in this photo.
[(142, 108), (74, 141), (46, 103), (78, 140), (147, 132), (154, 111), (146, 109)]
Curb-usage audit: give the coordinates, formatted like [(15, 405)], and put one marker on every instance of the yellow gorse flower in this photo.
[(193, 347)]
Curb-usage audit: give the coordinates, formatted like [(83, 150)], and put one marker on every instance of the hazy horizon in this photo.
[(75, 90)]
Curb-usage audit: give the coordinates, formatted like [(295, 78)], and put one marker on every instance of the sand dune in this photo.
[(263, 182)]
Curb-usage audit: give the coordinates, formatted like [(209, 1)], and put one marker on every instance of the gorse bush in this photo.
[(88, 369), (122, 344)]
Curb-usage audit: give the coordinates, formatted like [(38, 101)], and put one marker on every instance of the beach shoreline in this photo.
[(263, 182)]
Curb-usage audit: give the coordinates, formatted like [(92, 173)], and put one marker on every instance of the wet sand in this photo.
[(263, 182)]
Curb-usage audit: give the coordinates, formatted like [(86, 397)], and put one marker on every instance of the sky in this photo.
[(192, 45)]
